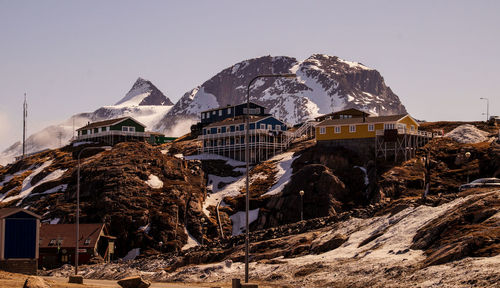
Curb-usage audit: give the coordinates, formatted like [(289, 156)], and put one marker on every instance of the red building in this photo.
[(57, 244)]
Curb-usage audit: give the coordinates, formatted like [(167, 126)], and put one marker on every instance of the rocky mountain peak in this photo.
[(142, 93)]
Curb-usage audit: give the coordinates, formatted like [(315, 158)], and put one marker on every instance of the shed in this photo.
[(19, 234)]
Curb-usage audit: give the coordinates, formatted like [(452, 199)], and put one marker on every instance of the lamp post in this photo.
[(487, 108), (301, 192), (247, 160), (106, 148), (467, 157)]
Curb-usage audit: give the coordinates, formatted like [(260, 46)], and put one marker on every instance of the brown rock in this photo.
[(35, 282), (134, 282)]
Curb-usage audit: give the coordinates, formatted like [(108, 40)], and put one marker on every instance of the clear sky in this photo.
[(439, 57)]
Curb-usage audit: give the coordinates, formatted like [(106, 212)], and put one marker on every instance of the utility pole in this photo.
[(25, 114)]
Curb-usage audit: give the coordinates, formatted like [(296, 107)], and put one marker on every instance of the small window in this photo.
[(337, 129), (370, 127), (269, 127), (59, 242), (277, 127), (352, 128), (124, 128), (202, 115), (220, 112), (208, 115), (107, 128), (322, 130), (412, 128), (262, 126), (89, 131), (388, 126), (131, 129), (87, 241), (52, 242), (228, 110), (228, 142)]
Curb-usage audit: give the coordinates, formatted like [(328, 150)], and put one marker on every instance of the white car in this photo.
[(482, 182)]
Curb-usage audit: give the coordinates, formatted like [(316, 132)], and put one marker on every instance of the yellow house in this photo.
[(362, 128)]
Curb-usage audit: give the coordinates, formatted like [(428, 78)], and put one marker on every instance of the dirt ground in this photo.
[(14, 280)]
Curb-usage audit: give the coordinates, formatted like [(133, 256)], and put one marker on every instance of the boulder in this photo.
[(35, 282), (134, 282)]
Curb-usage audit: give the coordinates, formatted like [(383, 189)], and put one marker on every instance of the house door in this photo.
[(20, 238)]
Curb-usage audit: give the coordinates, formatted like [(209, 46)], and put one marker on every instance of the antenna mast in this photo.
[(25, 114)]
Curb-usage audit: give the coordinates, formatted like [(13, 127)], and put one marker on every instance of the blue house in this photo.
[(19, 234), (267, 137), (222, 113)]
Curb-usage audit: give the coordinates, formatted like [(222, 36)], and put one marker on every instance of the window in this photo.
[(52, 242), (107, 128), (87, 241), (228, 142), (208, 131), (237, 140), (228, 110), (277, 127), (208, 115), (269, 127), (262, 126), (207, 143), (322, 130), (228, 129), (219, 142), (370, 127), (337, 129), (352, 128), (388, 126), (220, 112), (238, 128), (89, 131), (202, 115), (412, 128), (218, 130), (257, 110), (128, 128), (64, 259)]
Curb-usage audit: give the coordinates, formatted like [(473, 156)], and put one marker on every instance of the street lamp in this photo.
[(301, 192), (487, 108), (467, 156), (247, 156), (106, 148)]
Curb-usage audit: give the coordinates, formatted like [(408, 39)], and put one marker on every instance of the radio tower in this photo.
[(25, 114)]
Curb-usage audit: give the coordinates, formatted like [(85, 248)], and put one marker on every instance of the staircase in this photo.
[(307, 129)]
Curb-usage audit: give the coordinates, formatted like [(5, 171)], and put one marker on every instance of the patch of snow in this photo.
[(54, 221), (364, 171), (26, 187), (132, 254), (467, 133), (165, 151), (76, 144), (58, 188), (146, 228), (206, 156), (191, 241), (179, 156), (214, 180), (284, 173), (239, 219), (154, 182), (354, 64)]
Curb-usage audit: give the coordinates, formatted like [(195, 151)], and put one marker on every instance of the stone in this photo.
[(35, 282), (78, 279), (134, 282)]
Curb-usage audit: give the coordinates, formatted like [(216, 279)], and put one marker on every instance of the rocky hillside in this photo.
[(324, 84)]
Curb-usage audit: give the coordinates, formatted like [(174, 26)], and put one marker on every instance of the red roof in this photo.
[(66, 234)]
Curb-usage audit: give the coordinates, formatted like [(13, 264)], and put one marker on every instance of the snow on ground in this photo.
[(76, 144), (146, 228), (467, 133), (179, 156), (284, 173), (154, 182), (230, 190), (132, 254), (191, 241), (364, 171), (26, 187), (165, 151), (54, 221), (214, 181), (239, 220), (206, 156), (9, 177), (58, 188)]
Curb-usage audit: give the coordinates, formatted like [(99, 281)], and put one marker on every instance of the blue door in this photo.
[(20, 238)]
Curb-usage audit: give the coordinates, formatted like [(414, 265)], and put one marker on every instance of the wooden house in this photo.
[(58, 243), (222, 113), (118, 130), (382, 135), (227, 137), (19, 234)]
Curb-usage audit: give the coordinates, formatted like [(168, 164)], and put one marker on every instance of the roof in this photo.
[(109, 122), (66, 233), (344, 111), (6, 212), (230, 106), (239, 120), (377, 119)]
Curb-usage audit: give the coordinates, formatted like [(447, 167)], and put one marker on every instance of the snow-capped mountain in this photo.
[(144, 102), (324, 84)]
